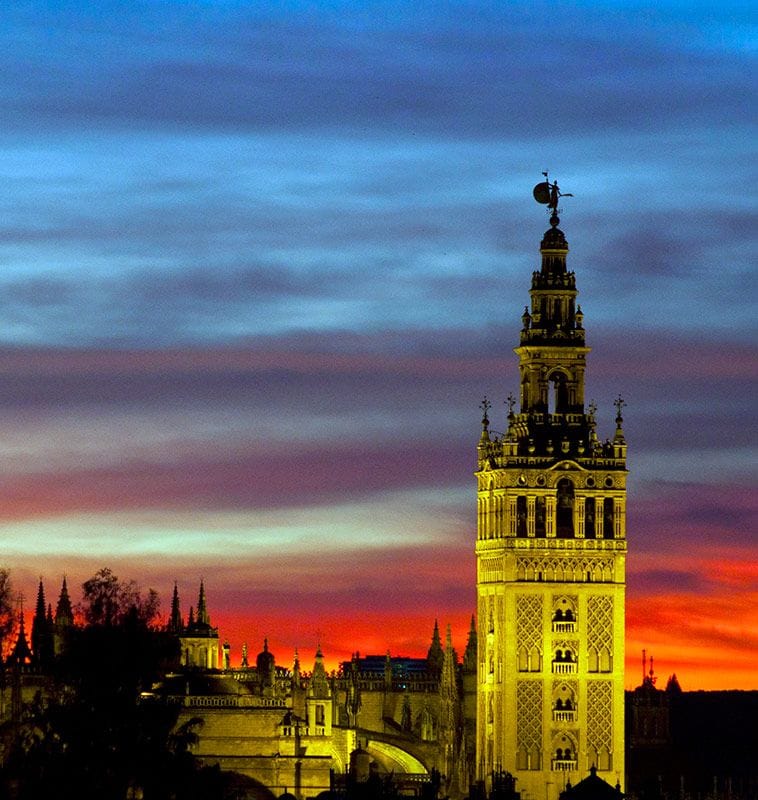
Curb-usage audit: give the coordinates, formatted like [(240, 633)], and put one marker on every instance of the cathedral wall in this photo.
[(249, 742), (383, 712)]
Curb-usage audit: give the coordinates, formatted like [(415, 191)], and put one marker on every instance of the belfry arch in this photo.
[(564, 509), (558, 392)]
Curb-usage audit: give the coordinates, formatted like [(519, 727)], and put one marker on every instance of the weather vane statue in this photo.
[(547, 194)]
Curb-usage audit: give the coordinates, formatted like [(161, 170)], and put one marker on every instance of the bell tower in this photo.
[(551, 550)]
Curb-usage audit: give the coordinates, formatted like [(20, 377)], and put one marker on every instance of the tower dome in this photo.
[(554, 238), (265, 660)]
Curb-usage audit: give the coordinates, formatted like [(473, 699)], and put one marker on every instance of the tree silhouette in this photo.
[(95, 735)]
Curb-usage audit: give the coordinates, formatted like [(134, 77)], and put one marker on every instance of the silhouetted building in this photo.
[(593, 787)]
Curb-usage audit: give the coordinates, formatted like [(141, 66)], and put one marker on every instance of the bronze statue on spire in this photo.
[(548, 194)]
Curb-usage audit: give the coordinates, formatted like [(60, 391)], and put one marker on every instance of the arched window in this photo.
[(608, 518), (539, 516), (589, 517), (564, 516), (558, 398), (521, 516)]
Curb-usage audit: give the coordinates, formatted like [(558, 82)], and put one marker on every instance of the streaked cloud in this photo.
[(258, 265)]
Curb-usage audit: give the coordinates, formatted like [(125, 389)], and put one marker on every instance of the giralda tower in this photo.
[(551, 551)]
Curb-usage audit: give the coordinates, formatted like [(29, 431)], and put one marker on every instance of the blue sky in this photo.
[(260, 261)]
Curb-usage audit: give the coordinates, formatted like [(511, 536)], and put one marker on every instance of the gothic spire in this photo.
[(319, 684), (42, 646), (469, 655), (175, 623), (435, 655), (64, 613), (21, 654), (202, 612)]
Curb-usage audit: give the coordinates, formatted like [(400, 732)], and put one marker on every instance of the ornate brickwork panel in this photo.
[(600, 715), (529, 621), (600, 622), (529, 714), (561, 568), (491, 570)]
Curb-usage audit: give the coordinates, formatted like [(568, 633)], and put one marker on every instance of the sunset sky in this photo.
[(260, 261)]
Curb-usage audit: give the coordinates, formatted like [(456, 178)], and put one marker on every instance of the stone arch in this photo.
[(564, 613), (540, 517), (608, 518), (564, 510), (394, 759), (601, 758), (558, 398), (564, 696), (564, 746), (521, 512)]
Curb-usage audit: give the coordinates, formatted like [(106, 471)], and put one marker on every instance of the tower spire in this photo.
[(551, 550), (175, 622), (21, 654), (64, 613), (202, 617), (435, 655), (42, 643)]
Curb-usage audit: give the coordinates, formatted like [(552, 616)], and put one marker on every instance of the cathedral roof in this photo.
[(593, 787)]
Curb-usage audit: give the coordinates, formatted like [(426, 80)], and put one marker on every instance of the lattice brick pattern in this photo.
[(600, 621), (529, 714), (600, 714), (529, 621)]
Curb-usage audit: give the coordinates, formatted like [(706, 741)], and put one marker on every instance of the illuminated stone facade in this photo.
[(551, 549)]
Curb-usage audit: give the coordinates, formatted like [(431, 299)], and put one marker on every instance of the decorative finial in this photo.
[(547, 194), (485, 405), (526, 319), (619, 403), (593, 409), (510, 401)]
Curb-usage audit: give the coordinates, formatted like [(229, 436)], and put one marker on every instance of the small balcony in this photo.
[(564, 764), (564, 715), (564, 626), (564, 667)]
